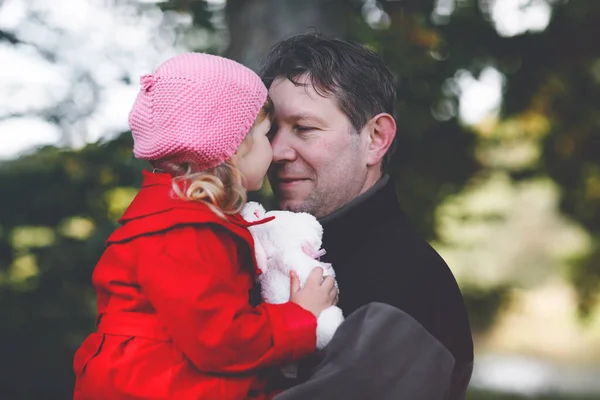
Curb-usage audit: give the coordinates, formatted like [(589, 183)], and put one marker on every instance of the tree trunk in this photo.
[(256, 25)]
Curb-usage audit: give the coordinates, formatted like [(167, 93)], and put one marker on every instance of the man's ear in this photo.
[(381, 131)]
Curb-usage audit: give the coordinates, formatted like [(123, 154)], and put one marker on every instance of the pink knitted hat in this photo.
[(196, 108)]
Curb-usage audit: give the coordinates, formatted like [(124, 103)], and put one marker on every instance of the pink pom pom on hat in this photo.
[(196, 108)]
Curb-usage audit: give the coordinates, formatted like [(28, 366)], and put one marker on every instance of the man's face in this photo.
[(319, 160)]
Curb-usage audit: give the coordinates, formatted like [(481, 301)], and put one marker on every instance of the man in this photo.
[(332, 134)]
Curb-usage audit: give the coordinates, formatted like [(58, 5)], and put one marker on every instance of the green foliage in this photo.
[(484, 305), (198, 9), (55, 217)]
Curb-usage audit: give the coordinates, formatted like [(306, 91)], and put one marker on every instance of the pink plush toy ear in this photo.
[(311, 252), (307, 248), (253, 211)]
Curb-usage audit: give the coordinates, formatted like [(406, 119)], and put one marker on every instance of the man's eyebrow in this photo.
[(306, 117)]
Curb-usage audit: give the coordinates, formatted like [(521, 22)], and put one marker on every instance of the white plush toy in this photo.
[(291, 241)]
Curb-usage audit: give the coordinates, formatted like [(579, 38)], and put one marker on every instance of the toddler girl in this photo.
[(175, 319)]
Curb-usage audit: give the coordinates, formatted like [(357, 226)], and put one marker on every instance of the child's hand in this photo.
[(317, 294)]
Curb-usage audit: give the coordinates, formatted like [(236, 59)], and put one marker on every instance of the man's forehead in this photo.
[(301, 87), (300, 99)]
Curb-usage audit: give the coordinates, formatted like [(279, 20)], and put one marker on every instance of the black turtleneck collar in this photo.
[(350, 223), (355, 202)]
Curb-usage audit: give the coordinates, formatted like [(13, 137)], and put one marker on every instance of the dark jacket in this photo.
[(378, 257), (378, 353)]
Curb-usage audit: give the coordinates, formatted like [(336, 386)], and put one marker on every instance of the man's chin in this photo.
[(285, 205), (293, 205)]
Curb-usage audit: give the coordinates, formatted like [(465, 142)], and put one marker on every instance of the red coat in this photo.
[(174, 318)]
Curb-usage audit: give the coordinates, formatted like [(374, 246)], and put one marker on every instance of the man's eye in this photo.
[(301, 128)]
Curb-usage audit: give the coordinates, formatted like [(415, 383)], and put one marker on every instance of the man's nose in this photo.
[(282, 148)]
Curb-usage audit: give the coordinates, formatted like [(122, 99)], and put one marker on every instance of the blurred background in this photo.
[(498, 163)]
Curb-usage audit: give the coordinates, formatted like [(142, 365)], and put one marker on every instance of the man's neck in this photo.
[(373, 176), (372, 189)]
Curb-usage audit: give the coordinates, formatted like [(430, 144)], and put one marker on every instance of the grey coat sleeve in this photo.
[(378, 353)]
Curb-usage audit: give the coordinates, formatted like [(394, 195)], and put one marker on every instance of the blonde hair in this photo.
[(221, 188)]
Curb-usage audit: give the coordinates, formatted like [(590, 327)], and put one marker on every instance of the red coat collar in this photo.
[(156, 196), (156, 208)]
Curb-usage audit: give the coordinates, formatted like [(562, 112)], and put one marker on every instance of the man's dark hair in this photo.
[(356, 76)]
